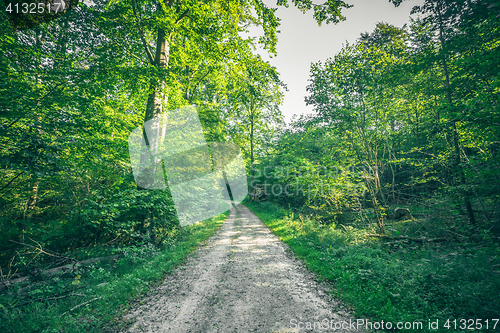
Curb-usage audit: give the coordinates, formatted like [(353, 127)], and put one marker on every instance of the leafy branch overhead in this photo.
[(329, 11)]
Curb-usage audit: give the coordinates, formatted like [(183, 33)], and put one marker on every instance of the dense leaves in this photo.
[(74, 85), (404, 115)]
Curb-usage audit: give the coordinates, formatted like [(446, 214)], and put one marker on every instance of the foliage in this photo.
[(94, 297), (399, 282), (404, 117), (72, 90), (400, 115)]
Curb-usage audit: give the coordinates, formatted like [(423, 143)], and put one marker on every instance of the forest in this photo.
[(395, 177)]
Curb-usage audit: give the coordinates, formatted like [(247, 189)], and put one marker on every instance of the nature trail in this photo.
[(243, 280)]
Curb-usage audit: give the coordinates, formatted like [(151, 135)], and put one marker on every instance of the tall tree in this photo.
[(254, 96), (201, 26), (444, 15)]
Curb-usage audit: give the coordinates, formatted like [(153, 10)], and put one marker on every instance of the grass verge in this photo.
[(397, 282), (92, 299)]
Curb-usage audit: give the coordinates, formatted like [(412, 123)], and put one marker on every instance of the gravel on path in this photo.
[(243, 280)]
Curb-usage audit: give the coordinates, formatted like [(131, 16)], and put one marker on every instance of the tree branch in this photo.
[(42, 98), (41, 250), (182, 16), (11, 182), (199, 81), (420, 240), (143, 39), (80, 305)]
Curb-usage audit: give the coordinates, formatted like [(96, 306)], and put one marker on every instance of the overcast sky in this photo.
[(302, 42)]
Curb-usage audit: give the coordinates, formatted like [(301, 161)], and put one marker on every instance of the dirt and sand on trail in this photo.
[(243, 280)]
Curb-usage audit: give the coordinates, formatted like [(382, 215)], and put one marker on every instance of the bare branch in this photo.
[(80, 305), (420, 240), (11, 182), (41, 250)]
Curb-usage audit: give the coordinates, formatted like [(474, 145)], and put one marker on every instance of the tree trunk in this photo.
[(157, 95), (156, 99), (31, 201), (456, 138), (252, 173)]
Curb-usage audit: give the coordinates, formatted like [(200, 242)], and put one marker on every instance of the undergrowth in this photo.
[(93, 298), (396, 281)]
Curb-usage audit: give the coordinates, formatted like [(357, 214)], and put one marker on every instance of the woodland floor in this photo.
[(244, 280)]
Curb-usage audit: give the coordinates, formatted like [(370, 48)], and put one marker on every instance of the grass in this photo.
[(93, 299), (399, 281)]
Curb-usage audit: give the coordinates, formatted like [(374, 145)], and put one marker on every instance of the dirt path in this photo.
[(243, 280)]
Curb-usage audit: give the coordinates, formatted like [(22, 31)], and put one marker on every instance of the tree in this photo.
[(209, 28), (254, 96), (443, 16), (349, 93), (456, 48)]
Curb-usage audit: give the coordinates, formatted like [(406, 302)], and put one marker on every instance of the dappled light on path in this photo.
[(243, 280)]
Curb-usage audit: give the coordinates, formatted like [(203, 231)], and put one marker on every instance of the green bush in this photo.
[(129, 214), (399, 281)]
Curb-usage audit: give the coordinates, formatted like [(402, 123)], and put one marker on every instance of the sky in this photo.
[(302, 42)]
